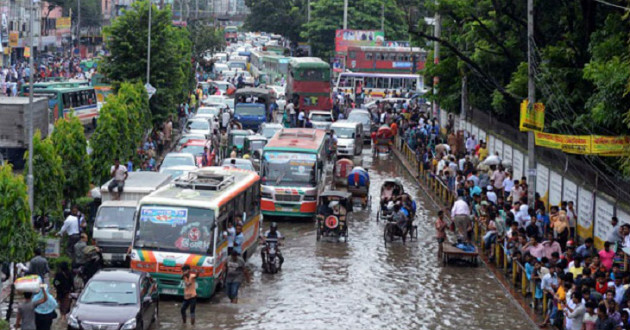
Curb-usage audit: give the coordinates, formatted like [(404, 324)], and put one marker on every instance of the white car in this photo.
[(362, 116), (177, 171), (321, 119), (268, 130), (198, 126), (243, 164), (209, 110), (178, 159)]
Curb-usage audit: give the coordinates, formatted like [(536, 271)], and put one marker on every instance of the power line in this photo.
[(612, 5)]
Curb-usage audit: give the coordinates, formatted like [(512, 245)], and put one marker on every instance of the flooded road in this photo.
[(360, 284)]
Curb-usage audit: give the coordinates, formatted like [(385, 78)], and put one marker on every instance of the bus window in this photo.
[(396, 83), (369, 82), (239, 205), (392, 56), (413, 84), (368, 56), (382, 83), (251, 207), (67, 103), (400, 57)]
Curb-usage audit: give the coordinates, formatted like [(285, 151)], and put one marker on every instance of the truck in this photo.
[(113, 225), (14, 126)]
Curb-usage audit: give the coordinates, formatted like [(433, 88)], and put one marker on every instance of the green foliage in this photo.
[(171, 69), (106, 144), (17, 237), (136, 99), (54, 263), (205, 37), (276, 16), (70, 144), (327, 16), (4, 325), (48, 178)]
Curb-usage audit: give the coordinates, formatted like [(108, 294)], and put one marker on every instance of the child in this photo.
[(440, 228)]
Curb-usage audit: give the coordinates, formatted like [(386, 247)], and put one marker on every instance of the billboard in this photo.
[(347, 38)]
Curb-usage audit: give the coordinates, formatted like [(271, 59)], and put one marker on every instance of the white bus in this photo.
[(378, 83)]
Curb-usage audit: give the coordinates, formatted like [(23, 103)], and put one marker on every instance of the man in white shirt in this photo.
[(508, 184), (471, 143), (460, 213), (71, 228), (225, 118), (119, 175), (491, 195), (290, 108), (301, 118)]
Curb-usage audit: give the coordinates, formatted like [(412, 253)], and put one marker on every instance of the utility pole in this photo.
[(437, 32), (345, 14), (531, 98), (149, 45), (29, 177), (79, 26), (308, 11), (196, 8), (383, 16)]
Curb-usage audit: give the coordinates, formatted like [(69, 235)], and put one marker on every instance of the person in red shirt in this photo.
[(601, 285), (394, 128)]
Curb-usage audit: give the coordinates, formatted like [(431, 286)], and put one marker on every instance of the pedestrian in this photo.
[(190, 294), (63, 286), (236, 272), (225, 119), (168, 131), (39, 265), (71, 228), (25, 319), (230, 234), (461, 215), (301, 117), (45, 311), (223, 142), (119, 174), (234, 152), (239, 238), (440, 228)]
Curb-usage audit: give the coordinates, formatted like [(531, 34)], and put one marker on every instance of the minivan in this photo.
[(349, 137)]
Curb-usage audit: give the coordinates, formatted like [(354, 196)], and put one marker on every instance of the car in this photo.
[(195, 148), (362, 116), (320, 119), (209, 110), (176, 159), (177, 171), (116, 299), (222, 86), (186, 137), (212, 119), (218, 99), (243, 164), (372, 105), (268, 130), (198, 126)]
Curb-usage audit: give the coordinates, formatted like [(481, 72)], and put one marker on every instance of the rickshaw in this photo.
[(333, 212), (390, 190), (359, 186), (236, 138), (253, 147), (393, 229), (383, 141), (341, 169)]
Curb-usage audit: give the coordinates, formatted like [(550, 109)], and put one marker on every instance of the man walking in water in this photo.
[(190, 294)]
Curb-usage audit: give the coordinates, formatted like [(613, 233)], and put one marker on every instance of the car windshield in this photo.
[(243, 165), (177, 161), (344, 132), (257, 144), (249, 110), (198, 125), (208, 111), (268, 132), (115, 217), (321, 117), (289, 169), (110, 292), (193, 150), (175, 229), (360, 118)]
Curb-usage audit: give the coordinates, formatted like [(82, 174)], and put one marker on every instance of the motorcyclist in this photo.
[(272, 235)]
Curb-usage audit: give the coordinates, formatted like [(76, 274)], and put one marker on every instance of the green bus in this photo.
[(66, 97)]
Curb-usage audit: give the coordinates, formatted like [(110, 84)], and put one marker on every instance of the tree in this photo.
[(204, 37), (136, 100), (48, 178), (70, 144), (171, 69), (106, 145), (17, 237), (327, 16), (283, 17)]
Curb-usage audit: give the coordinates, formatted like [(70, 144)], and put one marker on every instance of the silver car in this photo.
[(321, 119)]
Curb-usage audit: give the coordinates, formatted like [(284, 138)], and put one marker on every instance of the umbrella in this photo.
[(492, 160)]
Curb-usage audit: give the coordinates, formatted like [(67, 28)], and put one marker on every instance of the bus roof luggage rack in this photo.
[(297, 134), (204, 181)]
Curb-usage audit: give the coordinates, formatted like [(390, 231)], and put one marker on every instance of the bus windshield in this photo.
[(289, 169), (175, 229)]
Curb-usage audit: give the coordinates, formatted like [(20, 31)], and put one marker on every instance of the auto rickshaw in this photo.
[(341, 169), (383, 141), (236, 138), (359, 186), (253, 147), (390, 190), (333, 212)]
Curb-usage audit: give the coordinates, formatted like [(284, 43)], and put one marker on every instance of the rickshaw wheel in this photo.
[(388, 234)]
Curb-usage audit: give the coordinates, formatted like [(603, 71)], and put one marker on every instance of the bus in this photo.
[(378, 83), (65, 97), (231, 33), (308, 84), (385, 59), (269, 67), (184, 222), (292, 170)]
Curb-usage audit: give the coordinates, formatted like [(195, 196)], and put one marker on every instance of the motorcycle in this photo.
[(271, 261)]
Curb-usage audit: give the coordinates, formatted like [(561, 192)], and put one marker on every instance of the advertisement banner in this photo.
[(27, 51), (533, 120), (610, 145), (390, 43), (604, 211), (542, 182), (517, 164), (63, 23), (507, 154), (585, 212), (14, 38), (575, 144), (347, 38), (555, 189), (622, 215), (498, 146)]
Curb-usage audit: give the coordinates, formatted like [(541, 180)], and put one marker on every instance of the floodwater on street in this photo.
[(361, 284)]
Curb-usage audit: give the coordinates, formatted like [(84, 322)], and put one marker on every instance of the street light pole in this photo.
[(79, 25), (531, 98), (345, 14), (149, 45), (29, 177), (437, 32)]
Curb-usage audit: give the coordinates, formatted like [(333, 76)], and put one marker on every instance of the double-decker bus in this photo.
[(308, 84), (379, 83), (231, 33), (184, 224), (385, 59), (293, 173), (66, 97)]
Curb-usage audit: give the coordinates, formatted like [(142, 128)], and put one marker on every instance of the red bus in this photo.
[(385, 59), (308, 84)]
